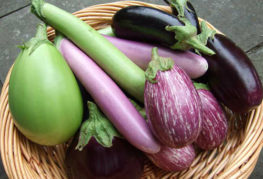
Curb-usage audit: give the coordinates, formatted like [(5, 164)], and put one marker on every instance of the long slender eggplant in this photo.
[(232, 76), (186, 9), (155, 26), (194, 65), (109, 97), (172, 104)]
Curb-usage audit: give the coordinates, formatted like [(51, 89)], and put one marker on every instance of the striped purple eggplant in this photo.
[(214, 126), (172, 104), (172, 159)]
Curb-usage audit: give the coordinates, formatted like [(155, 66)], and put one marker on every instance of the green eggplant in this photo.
[(44, 97)]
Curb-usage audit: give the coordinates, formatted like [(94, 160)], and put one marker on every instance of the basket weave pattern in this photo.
[(236, 158)]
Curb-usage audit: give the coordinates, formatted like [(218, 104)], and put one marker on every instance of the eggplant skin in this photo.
[(214, 126), (172, 159), (232, 77), (146, 24), (173, 108), (119, 161), (44, 97)]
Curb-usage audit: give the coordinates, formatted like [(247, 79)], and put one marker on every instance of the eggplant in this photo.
[(214, 126), (99, 152), (44, 97), (172, 104), (232, 76), (172, 159), (109, 97), (152, 25), (194, 65), (185, 9)]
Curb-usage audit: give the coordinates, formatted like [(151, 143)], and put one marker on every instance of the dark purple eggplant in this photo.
[(172, 159), (155, 26), (185, 9), (232, 76), (100, 153), (214, 126), (172, 104)]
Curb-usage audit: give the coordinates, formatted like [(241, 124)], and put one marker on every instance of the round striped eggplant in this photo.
[(172, 159), (172, 104), (214, 126)]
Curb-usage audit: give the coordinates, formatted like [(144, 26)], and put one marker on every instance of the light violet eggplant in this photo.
[(140, 53), (109, 97), (214, 126), (172, 104), (172, 159)]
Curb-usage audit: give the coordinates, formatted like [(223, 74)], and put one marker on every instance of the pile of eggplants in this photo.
[(231, 75), (153, 59)]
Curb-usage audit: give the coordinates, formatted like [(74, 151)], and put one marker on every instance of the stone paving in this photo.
[(241, 20)]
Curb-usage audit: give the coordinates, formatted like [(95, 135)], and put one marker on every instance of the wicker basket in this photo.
[(236, 158)]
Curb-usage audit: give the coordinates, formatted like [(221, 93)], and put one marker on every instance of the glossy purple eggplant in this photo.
[(152, 25), (97, 162), (214, 126), (172, 159), (146, 24), (188, 11), (231, 75), (99, 152), (172, 104)]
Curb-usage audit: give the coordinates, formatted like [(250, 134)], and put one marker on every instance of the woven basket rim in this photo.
[(23, 159)]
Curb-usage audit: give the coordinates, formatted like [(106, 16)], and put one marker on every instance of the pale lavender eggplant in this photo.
[(140, 53), (109, 97), (173, 108), (214, 126), (172, 159)]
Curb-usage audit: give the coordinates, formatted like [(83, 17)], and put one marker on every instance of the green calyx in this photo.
[(36, 8), (157, 63), (205, 33), (179, 5), (187, 38), (201, 86), (97, 126), (35, 42)]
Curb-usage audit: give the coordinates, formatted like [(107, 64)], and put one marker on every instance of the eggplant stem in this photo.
[(41, 31), (197, 45), (157, 63), (179, 5), (97, 126), (205, 33), (39, 39), (186, 38), (36, 8)]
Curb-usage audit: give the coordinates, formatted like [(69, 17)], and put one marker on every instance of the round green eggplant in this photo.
[(44, 97)]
